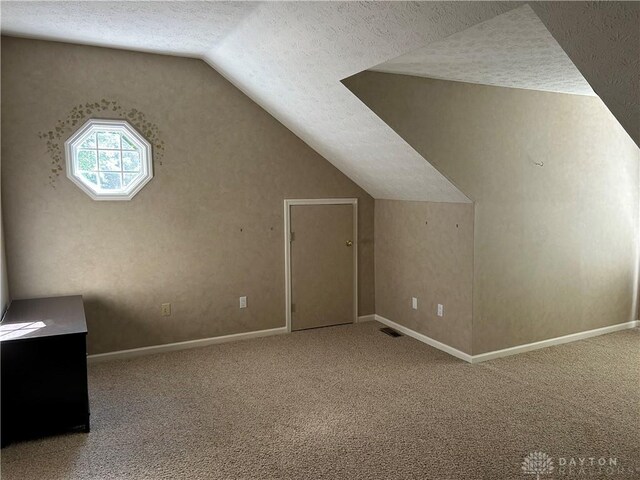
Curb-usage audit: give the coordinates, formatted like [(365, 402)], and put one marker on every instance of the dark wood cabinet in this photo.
[(44, 368)]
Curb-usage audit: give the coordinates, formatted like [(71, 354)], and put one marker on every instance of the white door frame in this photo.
[(288, 203)]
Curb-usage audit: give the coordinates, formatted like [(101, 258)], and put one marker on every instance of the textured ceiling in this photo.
[(178, 28), (514, 49), (289, 57)]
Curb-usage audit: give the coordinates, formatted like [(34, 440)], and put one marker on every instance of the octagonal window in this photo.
[(109, 160)]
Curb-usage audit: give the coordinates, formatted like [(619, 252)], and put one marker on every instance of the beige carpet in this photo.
[(349, 402)]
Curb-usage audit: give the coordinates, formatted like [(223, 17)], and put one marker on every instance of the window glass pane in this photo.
[(108, 140), (131, 161), (109, 161), (129, 177), (87, 160), (127, 144), (89, 141), (110, 181), (89, 178)]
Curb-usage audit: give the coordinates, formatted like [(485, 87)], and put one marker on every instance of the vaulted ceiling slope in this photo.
[(310, 47), (289, 57), (513, 50)]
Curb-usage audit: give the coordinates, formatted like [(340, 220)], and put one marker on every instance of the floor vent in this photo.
[(391, 332)]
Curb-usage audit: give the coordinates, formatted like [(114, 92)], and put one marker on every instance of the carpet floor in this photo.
[(350, 402)]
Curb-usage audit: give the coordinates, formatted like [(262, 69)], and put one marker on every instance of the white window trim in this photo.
[(122, 125)]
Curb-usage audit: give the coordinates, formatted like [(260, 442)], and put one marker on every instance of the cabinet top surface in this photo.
[(43, 317)]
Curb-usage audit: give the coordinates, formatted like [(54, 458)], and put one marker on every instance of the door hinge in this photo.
[(292, 236)]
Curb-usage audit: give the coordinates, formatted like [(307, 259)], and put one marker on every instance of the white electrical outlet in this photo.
[(414, 303), (440, 310), (243, 302), (165, 309)]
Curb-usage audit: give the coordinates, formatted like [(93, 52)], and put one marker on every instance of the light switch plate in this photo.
[(243, 302), (440, 310), (414, 303)]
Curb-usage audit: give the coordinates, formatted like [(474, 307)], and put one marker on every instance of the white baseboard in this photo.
[(424, 339), (483, 357), (170, 347)]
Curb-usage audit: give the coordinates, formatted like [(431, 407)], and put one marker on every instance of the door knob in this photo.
[(349, 243)]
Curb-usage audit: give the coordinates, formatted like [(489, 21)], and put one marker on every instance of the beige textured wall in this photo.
[(555, 181), (208, 227), (425, 250), (4, 283)]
